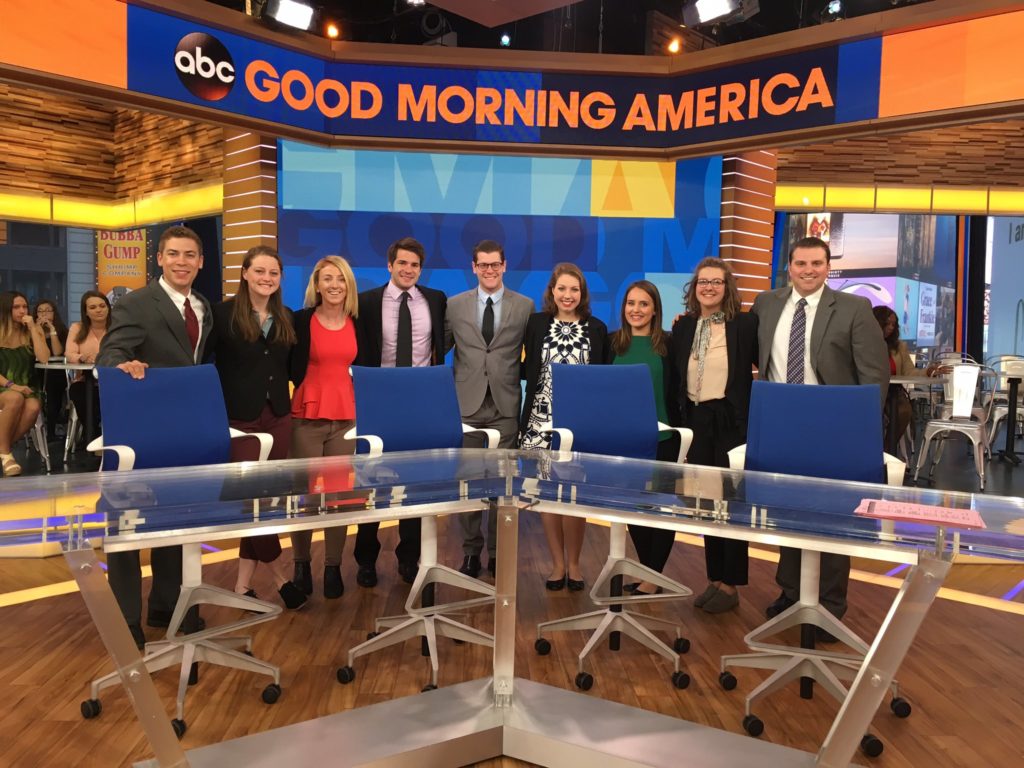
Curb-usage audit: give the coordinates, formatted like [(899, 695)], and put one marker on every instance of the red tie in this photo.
[(191, 324)]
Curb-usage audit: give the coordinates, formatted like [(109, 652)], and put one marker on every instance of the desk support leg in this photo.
[(810, 575), (106, 615), (891, 644), (505, 602)]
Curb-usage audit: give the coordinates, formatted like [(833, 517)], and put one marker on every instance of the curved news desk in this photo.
[(503, 714)]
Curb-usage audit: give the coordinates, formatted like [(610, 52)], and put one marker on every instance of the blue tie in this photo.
[(797, 331)]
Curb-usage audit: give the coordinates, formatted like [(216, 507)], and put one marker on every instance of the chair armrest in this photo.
[(895, 469), (125, 455), (685, 438), (375, 443), (738, 457), (265, 438), (493, 435), (565, 436)]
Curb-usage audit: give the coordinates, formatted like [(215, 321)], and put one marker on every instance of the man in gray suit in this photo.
[(163, 325), (485, 325), (841, 343)]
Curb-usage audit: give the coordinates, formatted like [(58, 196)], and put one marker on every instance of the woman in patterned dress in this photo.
[(563, 332)]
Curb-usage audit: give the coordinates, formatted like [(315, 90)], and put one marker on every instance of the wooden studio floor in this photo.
[(964, 675)]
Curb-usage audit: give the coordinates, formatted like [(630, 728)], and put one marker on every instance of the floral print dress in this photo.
[(566, 343)]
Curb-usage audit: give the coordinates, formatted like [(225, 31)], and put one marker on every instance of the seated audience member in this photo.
[(48, 318), (251, 340), (563, 332), (324, 403), (83, 346), (714, 347), (22, 345), (641, 340)]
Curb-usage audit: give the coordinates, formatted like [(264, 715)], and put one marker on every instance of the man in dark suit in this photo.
[(401, 324), (163, 325), (485, 326), (837, 341)]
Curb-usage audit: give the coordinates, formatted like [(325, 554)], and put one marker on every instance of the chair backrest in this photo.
[(960, 389), (410, 409), (609, 408), (174, 417), (832, 432)]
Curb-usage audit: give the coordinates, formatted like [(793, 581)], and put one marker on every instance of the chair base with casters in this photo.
[(36, 437), (71, 433), (975, 431), (217, 645)]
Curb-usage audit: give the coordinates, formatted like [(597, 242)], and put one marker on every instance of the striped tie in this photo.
[(795, 360)]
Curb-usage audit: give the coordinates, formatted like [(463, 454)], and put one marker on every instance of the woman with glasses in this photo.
[(640, 340), (22, 345), (50, 323), (563, 332), (714, 349)]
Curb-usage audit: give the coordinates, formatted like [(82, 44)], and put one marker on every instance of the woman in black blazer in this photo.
[(252, 340), (714, 348), (564, 332)]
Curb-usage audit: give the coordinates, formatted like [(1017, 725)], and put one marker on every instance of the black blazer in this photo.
[(370, 325), (741, 349), (251, 372), (669, 379), (533, 343), (299, 360)]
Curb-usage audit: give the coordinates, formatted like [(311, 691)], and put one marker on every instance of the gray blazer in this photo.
[(846, 341), (146, 326), (475, 365)]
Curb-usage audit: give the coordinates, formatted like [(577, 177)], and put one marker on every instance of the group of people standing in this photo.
[(701, 374)]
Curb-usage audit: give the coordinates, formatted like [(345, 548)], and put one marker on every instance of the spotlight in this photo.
[(675, 46), (505, 40), (833, 11), (417, 2), (700, 12), (290, 13), (331, 30)]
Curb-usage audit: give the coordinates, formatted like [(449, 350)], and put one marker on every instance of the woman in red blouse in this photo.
[(323, 404)]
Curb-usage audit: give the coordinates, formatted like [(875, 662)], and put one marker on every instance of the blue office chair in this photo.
[(413, 409), (175, 417), (610, 410), (831, 432)]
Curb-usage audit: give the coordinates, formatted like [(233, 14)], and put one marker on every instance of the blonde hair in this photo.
[(313, 299)]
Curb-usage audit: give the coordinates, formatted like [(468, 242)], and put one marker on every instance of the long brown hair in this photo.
[(623, 337), (731, 305), (565, 268), (7, 326), (58, 321), (85, 324), (241, 312)]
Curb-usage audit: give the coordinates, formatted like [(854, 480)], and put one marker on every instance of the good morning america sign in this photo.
[(178, 59)]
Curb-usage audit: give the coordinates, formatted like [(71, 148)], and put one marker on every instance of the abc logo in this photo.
[(204, 66)]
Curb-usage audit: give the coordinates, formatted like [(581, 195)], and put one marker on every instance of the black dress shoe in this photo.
[(575, 585), (781, 603), (825, 637), (292, 597), (408, 572), (366, 576), (641, 593), (158, 619), (138, 636), (162, 619), (631, 587), (555, 584), (492, 566), (334, 587), (470, 566), (303, 577)]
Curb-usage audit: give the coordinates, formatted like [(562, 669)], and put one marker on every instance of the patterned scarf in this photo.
[(701, 342)]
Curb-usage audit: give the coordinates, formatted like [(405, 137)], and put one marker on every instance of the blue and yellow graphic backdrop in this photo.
[(619, 221)]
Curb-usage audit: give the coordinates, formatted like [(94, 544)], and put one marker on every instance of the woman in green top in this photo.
[(22, 344), (641, 340)]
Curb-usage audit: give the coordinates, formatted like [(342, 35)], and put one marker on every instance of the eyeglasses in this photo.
[(493, 266), (716, 283)]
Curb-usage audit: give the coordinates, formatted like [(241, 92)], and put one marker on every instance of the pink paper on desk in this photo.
[(920, 513)]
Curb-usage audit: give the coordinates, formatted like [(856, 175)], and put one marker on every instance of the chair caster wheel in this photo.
[(371, 635), (193, 673), (428, 687), (871, 745), (752, 725), (179, 727), (271, 693), (681, 645), (727, 680), (91, 708), (542, 646), (346, 675), (680, 680), (584, 681), (900, 707)]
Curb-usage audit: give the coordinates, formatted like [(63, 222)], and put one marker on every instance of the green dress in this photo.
[(18, 366)]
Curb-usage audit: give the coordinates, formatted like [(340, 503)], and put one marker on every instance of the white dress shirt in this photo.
[(779, 359)]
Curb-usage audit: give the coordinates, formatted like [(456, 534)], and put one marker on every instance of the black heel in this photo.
[(555, 584), (576, 586)]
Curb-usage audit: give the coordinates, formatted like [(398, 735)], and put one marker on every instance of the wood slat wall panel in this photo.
[(250, 182), (748, 220)]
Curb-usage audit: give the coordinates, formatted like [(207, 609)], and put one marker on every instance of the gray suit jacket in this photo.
[(146, 326), (846, 342), (476, 366)]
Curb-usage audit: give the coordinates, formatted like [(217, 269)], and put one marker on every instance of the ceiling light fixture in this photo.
[(290, 13)]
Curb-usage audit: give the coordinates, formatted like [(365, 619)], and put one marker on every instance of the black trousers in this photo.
[(124, 573), (716, 431), (368, 546), (654, 545)]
